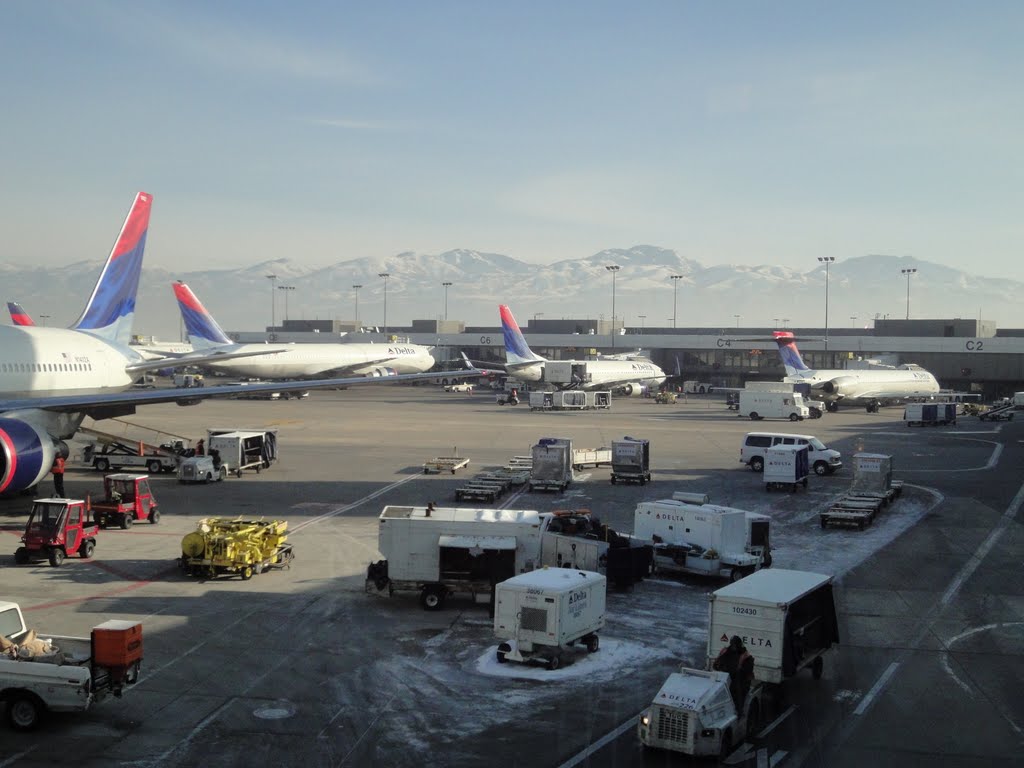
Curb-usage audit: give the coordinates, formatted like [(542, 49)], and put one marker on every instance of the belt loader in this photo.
[(238, 546)]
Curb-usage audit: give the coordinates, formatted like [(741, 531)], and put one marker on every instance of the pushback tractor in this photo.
[(243, 547)]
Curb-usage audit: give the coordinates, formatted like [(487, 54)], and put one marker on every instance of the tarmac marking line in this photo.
[(579, 757), (777, 757), (14, 758), (865, 703), (776, 722), (346, 507)]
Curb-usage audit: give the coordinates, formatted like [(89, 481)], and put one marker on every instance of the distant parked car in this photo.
[(460, 386)]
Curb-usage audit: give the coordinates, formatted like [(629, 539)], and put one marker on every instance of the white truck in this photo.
[(552, 464), (438, 551), (539, 616), (929, 414), (756, 405), (705, 540), (242, 449), (63, 674), (694, 713), (816, 407)]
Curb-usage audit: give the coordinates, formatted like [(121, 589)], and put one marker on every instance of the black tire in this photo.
[(432, 598), (754, 416), (154, 516), (794, 417), (102, 465), (209, 477), (238, 472), (222, 474), (757, 464), (554, 662), (88, 547), (820, 468), (25, 711), (259, 468), (126, 521), (153, 467), (593, 643), (21, 556), (246, 572), (503, 648), (753, 716), (736, 574), (56, 557), (817, 668), (613, 479), (824, 522)]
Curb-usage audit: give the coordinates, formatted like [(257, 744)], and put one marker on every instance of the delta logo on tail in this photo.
[(791, 358), (111, 307), (203, 330), (517, 351), (18, 315)]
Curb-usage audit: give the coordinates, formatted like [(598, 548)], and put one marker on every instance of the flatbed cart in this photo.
[(479, 491), (440, 464), (846, 511)]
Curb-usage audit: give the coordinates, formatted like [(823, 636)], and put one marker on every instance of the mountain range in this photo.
[(860, 289)]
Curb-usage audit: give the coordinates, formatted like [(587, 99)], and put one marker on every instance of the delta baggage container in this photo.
[(631, 460), (540, 615), (929, 414), (786, 619), (552, 464), (786, 467), (872, 473)]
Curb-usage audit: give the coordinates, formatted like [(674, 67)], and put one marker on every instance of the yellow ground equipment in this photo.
[(239, 546), (665, 397)]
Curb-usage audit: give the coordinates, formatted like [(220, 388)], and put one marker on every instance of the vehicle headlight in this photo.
[(645, 720)]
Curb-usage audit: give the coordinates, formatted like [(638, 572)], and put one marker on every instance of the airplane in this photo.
[(296, 361), (627, 376), (52, 378), (870, 386)]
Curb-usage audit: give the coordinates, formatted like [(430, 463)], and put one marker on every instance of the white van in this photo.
[(823, 460)]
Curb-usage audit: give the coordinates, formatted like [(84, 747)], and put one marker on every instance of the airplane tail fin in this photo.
[(203, 330), (111, 307), (791, 359), (517, 351), (18, 315)]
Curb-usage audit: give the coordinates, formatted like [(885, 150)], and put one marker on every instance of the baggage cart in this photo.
[(631, 461), (440, 464)]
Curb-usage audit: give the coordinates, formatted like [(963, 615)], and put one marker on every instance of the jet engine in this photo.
[(629, 390), (26, 455), (379, 372), (835, 387)]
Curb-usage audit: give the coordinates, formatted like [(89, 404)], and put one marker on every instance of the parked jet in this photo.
[(296, 361), (18, 315), (628, 376), (870, 386), (52, 378)]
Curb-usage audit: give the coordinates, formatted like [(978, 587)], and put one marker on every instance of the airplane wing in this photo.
[(192, 395), (193, 358)]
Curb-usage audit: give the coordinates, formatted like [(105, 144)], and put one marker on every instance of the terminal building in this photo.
[(964, 355)]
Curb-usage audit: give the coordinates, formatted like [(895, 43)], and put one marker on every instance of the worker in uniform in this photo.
[(201, 447), (737, 661), (58, 476)]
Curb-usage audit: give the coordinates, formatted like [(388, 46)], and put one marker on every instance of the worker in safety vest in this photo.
[(58, 476), (737, 661)]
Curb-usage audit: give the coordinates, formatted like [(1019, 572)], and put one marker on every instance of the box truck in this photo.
[(929, 414), (756, 405), (539, 616), (786, 619)]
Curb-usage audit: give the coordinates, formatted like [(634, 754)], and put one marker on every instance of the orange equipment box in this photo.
[(116, 643)]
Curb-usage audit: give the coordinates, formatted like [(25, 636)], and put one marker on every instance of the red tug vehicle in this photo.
[(57, 528), (127, 498)]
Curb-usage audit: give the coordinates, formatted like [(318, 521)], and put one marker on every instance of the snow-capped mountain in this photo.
[(859, 290)]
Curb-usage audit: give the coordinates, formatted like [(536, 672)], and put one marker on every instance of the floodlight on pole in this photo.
[(675, 292), (286, 289), (642, 318), (273, 301), (385, 275), (356, 288), (908, 273), (827, 261), (446, 285), (613, 268)]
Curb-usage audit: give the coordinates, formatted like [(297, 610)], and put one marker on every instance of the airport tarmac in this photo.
[(302, 666)]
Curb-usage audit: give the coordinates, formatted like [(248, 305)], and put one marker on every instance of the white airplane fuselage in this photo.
[(604, 374), (870, 384), (296, 361)]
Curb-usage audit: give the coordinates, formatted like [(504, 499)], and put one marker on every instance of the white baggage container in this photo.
[(540, 615), (552, 464), (786, 619), (786, 467), (872, 473)]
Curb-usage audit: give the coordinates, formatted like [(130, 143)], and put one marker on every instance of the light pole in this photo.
[(286, 289), (446, 285), (385, 275), (775, 322), (642, 318), (737, 320), (675, 285), (536, 315), (273, 302), (908, 273), (44, 318), (853, 321), (356, 289), (613, 268), (785, 322), (826, 260)]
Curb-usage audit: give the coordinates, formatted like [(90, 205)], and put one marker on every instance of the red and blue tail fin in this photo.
[(202, 329), (517, 351), (111, 307), (18, 315), (790, 355)]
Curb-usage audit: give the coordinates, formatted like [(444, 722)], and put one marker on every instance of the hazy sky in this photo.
[(745, 132)]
